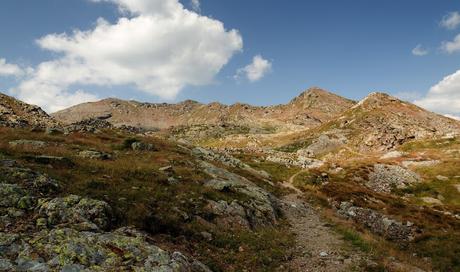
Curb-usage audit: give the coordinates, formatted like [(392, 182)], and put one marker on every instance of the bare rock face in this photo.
[(17, 114)]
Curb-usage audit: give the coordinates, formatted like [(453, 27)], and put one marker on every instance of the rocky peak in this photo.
[(15, 113), (377, 100)]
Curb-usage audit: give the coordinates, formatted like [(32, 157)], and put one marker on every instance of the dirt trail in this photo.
[(318, 247)]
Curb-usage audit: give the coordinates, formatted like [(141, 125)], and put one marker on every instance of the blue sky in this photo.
[(348, 47)]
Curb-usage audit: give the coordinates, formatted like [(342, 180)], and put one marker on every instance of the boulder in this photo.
[(34, 182), (11, 195), (260, 207), (68, 250), (94, 155), (77, 212), (140, 146)]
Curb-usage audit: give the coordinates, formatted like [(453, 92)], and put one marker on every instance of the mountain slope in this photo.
[(15, 113), (310, 109), (381, 122)]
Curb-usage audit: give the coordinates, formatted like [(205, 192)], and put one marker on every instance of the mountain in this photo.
[(314, 175), (381, 122), (15, 113), (311, 108)]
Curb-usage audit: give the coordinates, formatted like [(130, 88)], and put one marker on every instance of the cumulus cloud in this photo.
[(8, 69), (196, 6), (157, 46), (451, 20), (452, 46), (256, 70), (419, 51), (443, 97)]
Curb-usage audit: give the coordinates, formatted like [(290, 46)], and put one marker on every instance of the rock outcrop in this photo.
[(378, 223), (71, 233), (17, 114)]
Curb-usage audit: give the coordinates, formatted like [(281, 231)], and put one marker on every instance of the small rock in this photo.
[(140, 146), (431, 200), (206, 235), (165, 168), (442, 178), (53, 131), (323, 254), (94, 155)]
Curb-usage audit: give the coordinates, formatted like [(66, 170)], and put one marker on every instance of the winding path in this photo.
[(318, 247)]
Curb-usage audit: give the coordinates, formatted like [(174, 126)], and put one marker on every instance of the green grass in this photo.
[(140, 195), (355, 239)]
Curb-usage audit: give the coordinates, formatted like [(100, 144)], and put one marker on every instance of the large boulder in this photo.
[(27, 179), (255, 208), (70, 250), (77, 212)]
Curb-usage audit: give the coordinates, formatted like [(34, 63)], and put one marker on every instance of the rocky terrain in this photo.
[(14, 113), (319, 184)]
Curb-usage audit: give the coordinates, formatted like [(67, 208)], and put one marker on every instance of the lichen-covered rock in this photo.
[(385, 178), (77, 212), (28, 144), (378, 223), (140, 146), (11, 195), (71, 250), (260, 207), (226, 159), (229, 215), (94, 155), (29, 180)]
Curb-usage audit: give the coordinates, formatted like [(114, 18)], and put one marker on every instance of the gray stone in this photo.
[(28, 143), (140, 146), (80, 213), (94, 155), (385, 178)]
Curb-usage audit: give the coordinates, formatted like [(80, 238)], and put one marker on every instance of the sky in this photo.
[(56, 53)]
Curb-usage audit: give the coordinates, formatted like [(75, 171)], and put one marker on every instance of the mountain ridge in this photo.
[(304, 111)]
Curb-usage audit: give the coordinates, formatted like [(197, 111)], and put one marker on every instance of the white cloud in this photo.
[(451, 20), (443, 97), (453, 46), (159, 47), (196, 6), (256, 70), (419, 51), (8, 69)]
